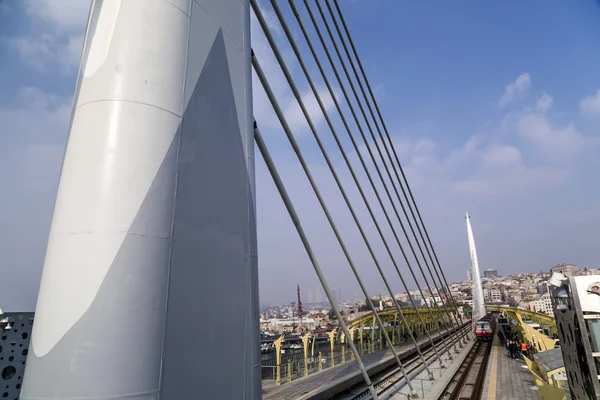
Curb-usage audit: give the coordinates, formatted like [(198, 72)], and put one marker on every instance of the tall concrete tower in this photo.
[(155, 214)]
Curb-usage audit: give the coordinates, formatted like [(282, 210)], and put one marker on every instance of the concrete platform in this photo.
[(508, 379), (431, 390)]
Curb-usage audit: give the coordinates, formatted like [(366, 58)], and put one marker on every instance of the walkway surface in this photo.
[(315, 383), (508, 379)]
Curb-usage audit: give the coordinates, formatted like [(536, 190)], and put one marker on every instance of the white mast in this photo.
[(478, 302)]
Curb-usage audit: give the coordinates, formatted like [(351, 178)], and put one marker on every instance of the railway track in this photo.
[(468, 381), (385, 381)]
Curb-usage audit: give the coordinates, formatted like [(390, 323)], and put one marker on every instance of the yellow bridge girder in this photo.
[(391, 314), (514, 313)]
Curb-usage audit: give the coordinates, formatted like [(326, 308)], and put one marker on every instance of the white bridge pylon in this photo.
[(477, 289)]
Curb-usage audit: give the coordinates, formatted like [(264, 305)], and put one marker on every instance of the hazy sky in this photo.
[(493, 107)]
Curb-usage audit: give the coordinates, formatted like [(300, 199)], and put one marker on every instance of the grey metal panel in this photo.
[(230, 15), (209, 328), (575, 347), (114, 350), (237, 72), (253, 351), (14, 347), (203, 30)]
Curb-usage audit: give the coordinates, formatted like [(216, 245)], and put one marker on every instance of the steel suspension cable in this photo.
[(389, 139), (443, 326), (349, 165), (383, 160), (294, 144), (358, 152), (351, 136), (420, 219), (362, 90), (292, 85), (296, 220), (292, 140)]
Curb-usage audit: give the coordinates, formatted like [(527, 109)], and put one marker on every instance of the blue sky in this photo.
[(493, 107)]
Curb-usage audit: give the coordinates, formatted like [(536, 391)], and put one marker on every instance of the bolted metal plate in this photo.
[(15, 334)]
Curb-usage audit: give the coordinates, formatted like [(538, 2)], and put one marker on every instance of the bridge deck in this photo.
[(346, 375), (508, 379)]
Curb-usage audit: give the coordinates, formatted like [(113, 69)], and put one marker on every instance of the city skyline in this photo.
[(312, 292)]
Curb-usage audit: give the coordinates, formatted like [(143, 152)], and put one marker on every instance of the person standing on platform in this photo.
[(514, 350), (524, 349), (501, 337)]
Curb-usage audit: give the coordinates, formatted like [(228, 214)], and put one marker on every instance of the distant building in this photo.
[(494, 296), (465, 301), (543, 305), (542, 288), (284, 325), (586, 271), (566, 269), (469, 275), (319, 297), (490, 273), (576, 304)]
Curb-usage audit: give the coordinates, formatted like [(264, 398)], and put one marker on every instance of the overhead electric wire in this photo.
[(351, 169), (291, 138), (326, 24), (383, 159), (445, 287), (296, 220)]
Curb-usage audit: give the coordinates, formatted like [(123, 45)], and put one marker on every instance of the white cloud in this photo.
[(63, 15), (514, 89), (32, 141), (56, 34), (418, 152), (544, 102), (501, 156), (500, 172), (47, 49), (588, 216), (591, 105), (516, 182), (293, 112), (546, 138)]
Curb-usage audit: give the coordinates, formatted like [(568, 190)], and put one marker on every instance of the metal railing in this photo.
[(293, 366)]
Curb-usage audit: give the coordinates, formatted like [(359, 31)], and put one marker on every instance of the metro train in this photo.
[(485, 327)]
